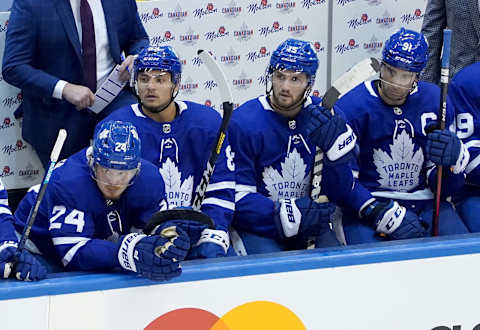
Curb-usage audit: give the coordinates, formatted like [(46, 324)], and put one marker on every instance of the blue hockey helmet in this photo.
[(295, 55), (116, 145), (407, 50), (161, 58)]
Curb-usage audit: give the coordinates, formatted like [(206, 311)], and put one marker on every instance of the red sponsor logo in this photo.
[(156, 11), (351, 42), (210, 6)]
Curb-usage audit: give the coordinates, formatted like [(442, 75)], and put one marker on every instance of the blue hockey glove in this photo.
[(156, 257), (212, 244), (394, 220), (28, 268), (302, 217), (445, 148), (329, 132)]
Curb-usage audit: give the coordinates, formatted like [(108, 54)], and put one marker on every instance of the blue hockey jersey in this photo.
[(390, 158), (464, 98), (181, 149), (77, 226), (7, 231), (274, 161)]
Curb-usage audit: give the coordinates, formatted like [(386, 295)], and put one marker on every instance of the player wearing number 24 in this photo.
[(399, 148), (96, 205), (274, 138), (177, 137)]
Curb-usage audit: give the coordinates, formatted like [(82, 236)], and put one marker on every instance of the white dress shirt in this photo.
[(105, 62)]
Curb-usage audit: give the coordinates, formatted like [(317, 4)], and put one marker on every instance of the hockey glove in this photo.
[(329, 132), (190, 221), (212, 244), (156, 257), (394, 220), (445, 148), (28, 268), (302, 217)]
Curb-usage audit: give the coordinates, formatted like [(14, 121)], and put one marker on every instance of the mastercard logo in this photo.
[(257, 315)]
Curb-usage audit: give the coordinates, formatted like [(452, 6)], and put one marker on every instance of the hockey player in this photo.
[(95, 205), (177, 137), (396, 153), (274, 139), (464, 93), (28, 267)]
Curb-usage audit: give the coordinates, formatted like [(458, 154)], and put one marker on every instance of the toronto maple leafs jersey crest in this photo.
[(7, 232), (77, 224), (180, 149), (273, 161), (391, 139), (464, 93)]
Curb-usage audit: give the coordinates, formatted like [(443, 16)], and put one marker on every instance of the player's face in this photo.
[(396, 84), (155, 89), (112, 183), (288, 89)]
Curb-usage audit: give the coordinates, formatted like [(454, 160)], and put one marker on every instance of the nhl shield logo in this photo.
[(397, 111), (167, 128), (292, 124)]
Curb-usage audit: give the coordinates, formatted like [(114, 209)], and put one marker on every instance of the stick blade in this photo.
[(218, 75), (357, 74)]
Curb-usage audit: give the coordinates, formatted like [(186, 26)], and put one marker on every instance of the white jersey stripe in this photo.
[(71, 253), (68, 240), (419, 195), (221, 185), (219, 202)]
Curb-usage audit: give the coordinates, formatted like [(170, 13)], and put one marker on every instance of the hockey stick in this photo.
[(62, 135), (195, 215), (360, 72), (227, 102), (442, 113)]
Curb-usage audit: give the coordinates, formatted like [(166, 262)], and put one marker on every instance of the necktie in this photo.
[(88, 46)]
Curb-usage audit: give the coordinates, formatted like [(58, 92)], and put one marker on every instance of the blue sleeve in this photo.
[(73, 235), (219, 202), (465, 102), (7, 231), (19, 55), (139, 38)]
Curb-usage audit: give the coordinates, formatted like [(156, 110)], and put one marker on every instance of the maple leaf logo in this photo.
[(401, 170), (178, 193), (292, 182)]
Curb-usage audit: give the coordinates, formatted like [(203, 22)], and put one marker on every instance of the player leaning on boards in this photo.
[(177, 137), (464, 97), (95, 204), (274, 139), (28, 267), (396, 156)]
